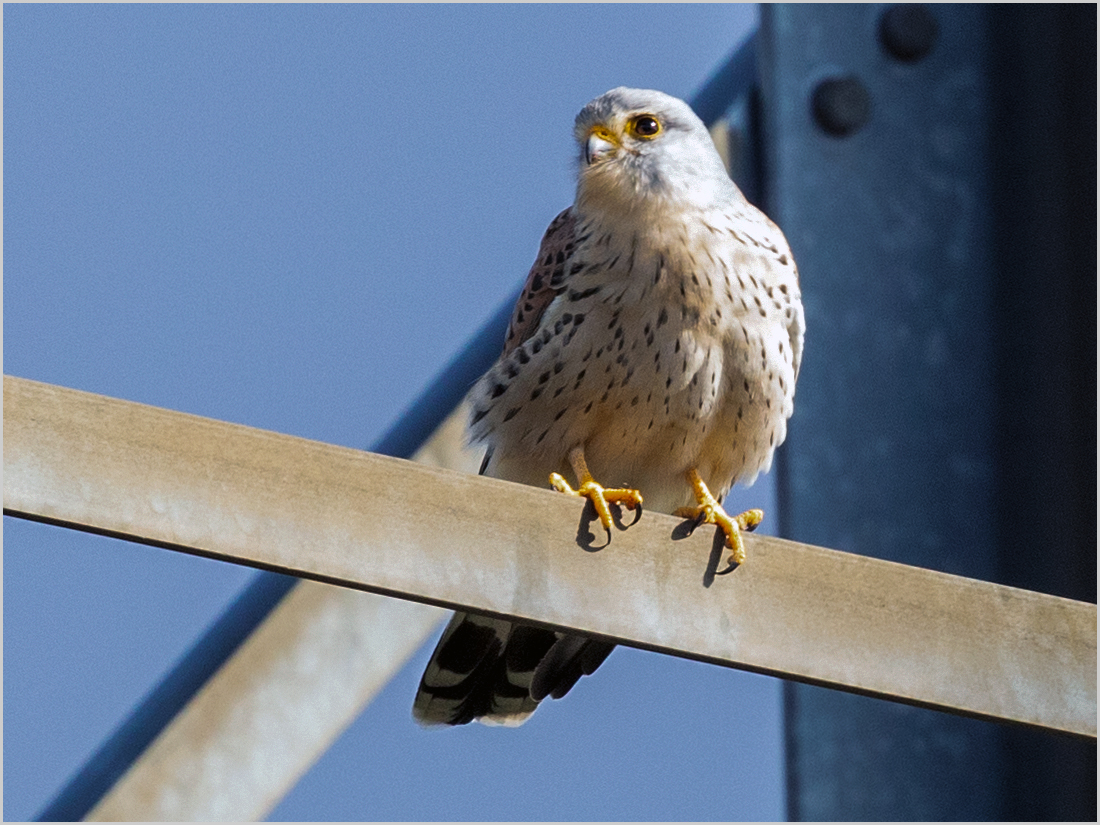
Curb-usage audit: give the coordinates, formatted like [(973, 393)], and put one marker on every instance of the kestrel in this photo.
[(655, 346)]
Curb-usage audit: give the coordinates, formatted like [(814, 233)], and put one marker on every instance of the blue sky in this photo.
[(291, 217)]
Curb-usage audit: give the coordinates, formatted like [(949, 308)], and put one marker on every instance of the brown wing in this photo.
[(556, 247)]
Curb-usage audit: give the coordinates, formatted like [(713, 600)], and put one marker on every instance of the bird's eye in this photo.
[(645, 126)]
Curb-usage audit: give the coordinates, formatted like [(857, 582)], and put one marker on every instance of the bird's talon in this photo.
[(561, 485), (618, 495), (697, 516), (600, 497), (750, 519), (709, 511), (637, 513)]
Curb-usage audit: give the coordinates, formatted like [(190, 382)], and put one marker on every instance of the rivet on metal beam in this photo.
[(841, 105), (908, 31)]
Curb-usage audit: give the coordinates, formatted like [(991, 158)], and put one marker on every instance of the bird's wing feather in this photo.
[(543, 281), (481, 669), (570, 658)]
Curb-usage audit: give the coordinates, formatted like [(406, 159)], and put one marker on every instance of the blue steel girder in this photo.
[(936, 314)]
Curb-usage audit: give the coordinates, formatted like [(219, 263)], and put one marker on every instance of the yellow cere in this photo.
[(604, 133)]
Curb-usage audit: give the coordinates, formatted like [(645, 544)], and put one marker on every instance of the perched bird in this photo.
[(655, 345)]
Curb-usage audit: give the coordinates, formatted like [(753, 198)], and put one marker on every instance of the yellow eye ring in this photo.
[(646, 127)]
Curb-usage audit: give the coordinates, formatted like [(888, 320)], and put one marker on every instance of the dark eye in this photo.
[(645, 126)]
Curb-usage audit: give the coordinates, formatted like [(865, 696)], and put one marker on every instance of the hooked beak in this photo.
[(600, 144)]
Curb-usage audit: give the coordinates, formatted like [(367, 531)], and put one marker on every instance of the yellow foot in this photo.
[(709, 511), (590, 489)]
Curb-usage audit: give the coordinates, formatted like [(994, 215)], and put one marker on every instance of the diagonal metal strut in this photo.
[(338, 515)]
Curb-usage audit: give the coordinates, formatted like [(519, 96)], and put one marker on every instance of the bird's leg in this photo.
[(589, 488), (709, 511)]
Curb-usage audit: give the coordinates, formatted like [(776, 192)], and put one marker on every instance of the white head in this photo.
[(641, 148)]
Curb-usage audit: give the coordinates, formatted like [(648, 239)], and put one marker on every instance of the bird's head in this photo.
[(640, 148)]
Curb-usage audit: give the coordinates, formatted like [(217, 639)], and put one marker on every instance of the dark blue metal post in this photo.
[(1043, 74), (884, 164)]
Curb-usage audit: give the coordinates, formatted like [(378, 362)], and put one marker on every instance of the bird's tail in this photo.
[(497, 672)]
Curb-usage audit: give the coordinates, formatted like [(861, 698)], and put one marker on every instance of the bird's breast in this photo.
[(664, 351)]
